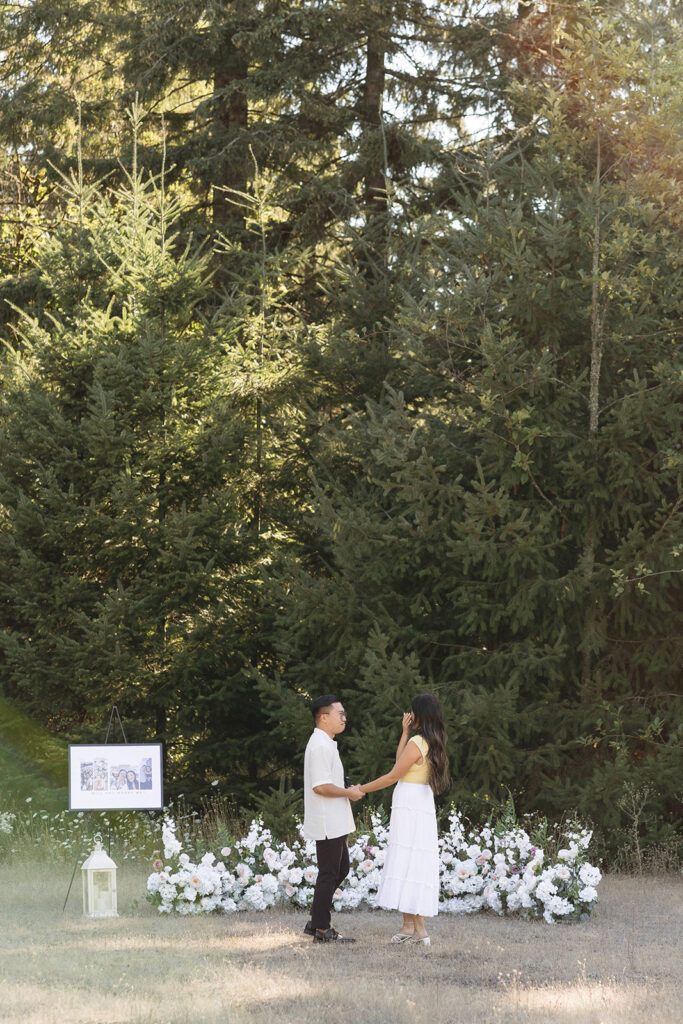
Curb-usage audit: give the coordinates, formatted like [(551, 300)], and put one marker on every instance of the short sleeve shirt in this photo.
[(325, 817)]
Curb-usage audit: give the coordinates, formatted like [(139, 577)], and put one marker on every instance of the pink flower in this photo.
[(158, 865)]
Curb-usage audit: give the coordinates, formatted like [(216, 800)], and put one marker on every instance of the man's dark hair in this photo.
[(322, 704)]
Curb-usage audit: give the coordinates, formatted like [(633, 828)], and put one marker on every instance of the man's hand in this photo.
[(355, 793)]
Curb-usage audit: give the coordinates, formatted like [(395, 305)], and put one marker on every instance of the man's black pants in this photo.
[(333, 867)]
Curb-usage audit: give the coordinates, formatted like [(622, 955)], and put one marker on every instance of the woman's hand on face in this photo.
[(407, 721)]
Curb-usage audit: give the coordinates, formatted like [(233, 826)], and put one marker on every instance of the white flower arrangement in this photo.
[(496, 868)]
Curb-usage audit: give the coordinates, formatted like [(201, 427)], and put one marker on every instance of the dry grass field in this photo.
[(622, 967)]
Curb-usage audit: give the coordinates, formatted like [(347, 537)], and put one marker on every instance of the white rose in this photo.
[(465, 868)]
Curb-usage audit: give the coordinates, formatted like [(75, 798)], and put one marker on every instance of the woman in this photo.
[(132, 779), (410, 877)]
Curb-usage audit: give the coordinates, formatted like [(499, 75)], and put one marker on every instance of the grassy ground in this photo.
[(622, 967)]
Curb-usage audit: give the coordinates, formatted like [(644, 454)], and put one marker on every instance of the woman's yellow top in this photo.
[(418, 772)]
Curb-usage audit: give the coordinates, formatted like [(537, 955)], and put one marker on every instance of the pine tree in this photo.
[(59, 58), (470, 522), (122, 517)]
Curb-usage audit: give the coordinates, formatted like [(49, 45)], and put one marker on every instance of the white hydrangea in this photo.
[(589, 874), (486, 868), (558, 905)]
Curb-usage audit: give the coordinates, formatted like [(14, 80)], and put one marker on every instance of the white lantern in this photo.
[(99, 883)]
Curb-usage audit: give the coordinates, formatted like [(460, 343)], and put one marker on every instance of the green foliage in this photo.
[(472, 518), (282, 810), (344, 394)]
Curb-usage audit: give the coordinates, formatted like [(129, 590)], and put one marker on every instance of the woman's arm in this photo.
[(410, 756), (329, 789)]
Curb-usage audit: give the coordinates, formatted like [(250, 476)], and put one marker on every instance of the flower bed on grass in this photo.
[(495, 868)]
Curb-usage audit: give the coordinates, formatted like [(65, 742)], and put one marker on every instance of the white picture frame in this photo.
[(115, 777)]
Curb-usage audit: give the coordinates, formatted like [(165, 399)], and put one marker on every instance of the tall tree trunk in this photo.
[(373, 100), (230, 123), (597, 342)]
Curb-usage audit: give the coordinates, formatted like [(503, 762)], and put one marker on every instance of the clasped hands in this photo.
[(355, 792)]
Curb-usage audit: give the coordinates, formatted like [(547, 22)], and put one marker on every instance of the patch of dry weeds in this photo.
[(622, 967)]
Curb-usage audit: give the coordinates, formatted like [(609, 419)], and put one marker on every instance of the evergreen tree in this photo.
[(470, 524), (59, 57), (124, 532)]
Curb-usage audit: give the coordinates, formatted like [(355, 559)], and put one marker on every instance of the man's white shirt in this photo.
[(325, 817)]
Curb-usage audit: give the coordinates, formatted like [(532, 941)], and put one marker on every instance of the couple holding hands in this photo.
[(410, 875)]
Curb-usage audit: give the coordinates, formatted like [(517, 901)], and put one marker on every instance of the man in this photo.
[(327, 813), (146, 775)]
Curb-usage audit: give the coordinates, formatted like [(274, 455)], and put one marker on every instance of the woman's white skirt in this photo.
[(410, 876)]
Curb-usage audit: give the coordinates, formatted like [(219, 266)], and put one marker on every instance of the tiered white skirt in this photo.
[(410, 877)]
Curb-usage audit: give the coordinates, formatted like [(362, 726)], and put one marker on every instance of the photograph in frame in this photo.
[(115, 776)]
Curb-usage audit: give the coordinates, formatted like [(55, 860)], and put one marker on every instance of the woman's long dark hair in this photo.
[(429, 723)]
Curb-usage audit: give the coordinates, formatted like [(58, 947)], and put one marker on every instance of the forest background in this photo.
[(340, 355)]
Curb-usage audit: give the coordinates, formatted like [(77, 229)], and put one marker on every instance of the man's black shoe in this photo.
[(309, 929), (331, 935)]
